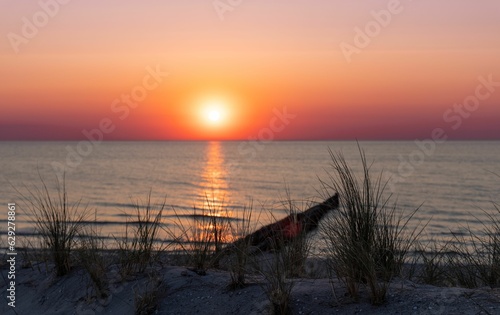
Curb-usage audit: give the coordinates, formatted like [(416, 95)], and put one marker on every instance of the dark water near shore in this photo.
[(453, 181)]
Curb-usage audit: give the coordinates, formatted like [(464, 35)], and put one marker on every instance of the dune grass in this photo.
[(137, 247), (57, 220), (202, 235), (477, 259), (366, 240), (277, 285), (92, 258), (240, 250), (35, 254), (297, 250), (285, 263), (432, 257)]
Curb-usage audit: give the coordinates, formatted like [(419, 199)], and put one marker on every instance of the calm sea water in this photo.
[(452, 183)]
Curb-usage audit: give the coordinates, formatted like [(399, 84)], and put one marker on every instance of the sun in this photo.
[(214, 112), (214, 115)]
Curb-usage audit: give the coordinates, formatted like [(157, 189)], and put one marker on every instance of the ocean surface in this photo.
[(453, 183)]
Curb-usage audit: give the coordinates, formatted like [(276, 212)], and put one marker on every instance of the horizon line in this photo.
[(245, 140)]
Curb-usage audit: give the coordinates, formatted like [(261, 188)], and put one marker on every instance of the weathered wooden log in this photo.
[(275, 235)]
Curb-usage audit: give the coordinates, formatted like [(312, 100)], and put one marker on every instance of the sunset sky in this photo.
[(69, 67)]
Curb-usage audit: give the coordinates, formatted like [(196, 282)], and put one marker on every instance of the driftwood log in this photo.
[(275, 235)]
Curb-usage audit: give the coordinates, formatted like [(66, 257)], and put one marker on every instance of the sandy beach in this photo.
[(181, 291)]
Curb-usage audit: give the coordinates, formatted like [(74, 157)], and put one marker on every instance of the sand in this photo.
[(182, 291)]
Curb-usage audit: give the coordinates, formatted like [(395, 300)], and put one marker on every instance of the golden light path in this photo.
[(212, 199), (214, 184)]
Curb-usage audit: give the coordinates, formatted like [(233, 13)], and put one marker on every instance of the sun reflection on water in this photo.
[(214, 188), (212, 214)]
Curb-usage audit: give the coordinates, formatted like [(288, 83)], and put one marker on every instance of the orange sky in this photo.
[(63, 76)]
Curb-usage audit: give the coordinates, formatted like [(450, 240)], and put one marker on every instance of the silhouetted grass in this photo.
[(93, 260), (202, 238), (477, 259), (366, 240), (295, 251), (57, 220), (137, 248), (34, 254), (432, 258), (240, 250), (277, 286), (286, 262)]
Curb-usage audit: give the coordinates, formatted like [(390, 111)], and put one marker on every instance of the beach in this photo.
[(181, 291)]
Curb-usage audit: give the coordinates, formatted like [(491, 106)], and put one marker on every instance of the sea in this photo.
[(454, 184)]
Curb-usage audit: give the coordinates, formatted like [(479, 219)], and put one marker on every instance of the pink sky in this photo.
[(248, 61)]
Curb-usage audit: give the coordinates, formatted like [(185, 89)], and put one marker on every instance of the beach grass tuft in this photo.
[(137, 248), (366, 240), (433, 259), (201, 236), (277, 285), (91, 256), (297, 250), (240, 249), (477, 259), (57, 220)]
